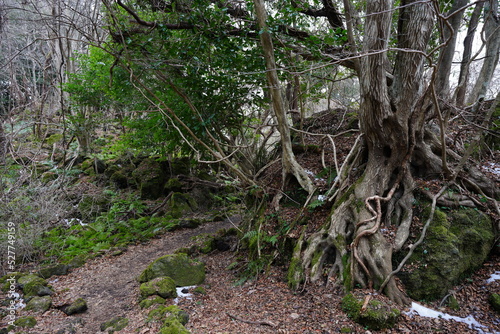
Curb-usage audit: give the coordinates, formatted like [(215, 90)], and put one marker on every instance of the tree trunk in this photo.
[(362, 254), (492, 36), (290, 164)]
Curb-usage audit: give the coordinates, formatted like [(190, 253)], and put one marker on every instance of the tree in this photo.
[(404, 84)]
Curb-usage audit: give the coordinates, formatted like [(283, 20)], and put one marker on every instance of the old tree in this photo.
[(401, 53)]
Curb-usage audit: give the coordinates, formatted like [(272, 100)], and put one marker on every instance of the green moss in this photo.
[(32, 285), (346, 275), (28, 322), (161, 286), (377, 315), (78, 306), (494, 300), (200, 290), (174, 327), (179, 267), (39, 304), (147, 303)]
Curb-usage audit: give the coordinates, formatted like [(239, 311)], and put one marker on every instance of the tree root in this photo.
[(258, 322)]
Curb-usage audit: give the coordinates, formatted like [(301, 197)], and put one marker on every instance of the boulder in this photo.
[(58, 269), (78, 306), (172, 317), (33, 285), (39, 304), (28, 322), (456, 244), (495, 301), (151, 178), (183, 270), (161, 286), (377, 315)]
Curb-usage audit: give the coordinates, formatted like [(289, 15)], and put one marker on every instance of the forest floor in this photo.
[(263, 305)]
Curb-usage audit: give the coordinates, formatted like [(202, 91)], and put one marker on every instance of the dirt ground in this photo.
[(264, 305)]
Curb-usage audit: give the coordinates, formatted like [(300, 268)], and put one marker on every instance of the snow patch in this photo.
[(493, 168), (430, 313), (181, 294), (494, 277)]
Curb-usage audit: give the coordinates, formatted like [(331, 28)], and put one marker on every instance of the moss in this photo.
[(347, 278), (179, 267), (179, 204), (200, 290), (78, 306), (453, 303), (147, 303), (174, 327), (494, 300), (377, 315), (32, 285), (114, 325), (455, 245), (25, 322), (161, 286), (39, 304)]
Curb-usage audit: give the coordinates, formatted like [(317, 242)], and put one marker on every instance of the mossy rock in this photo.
[(33, 285), (495, 301), (9, 280), (180, 166), (168, 315), (180, 204), (27, 322), (183, 270), (173, 185), (377, 315), (151, 178), (78, 306), (120, 179), (161, 286), (58, 269), (152, 300), (78, 261), (114, 325), (174, 327), (39, 304), (456, 244)]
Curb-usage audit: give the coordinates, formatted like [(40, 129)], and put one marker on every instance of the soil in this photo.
[(263, 305)]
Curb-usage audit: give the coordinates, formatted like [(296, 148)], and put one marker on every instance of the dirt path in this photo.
[(109, 285)]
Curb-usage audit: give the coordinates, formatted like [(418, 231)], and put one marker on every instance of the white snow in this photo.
[(492, 168), (430, 313), (495, 276), (181, 294)]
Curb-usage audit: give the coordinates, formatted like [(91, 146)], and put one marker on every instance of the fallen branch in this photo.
[(259, 322)]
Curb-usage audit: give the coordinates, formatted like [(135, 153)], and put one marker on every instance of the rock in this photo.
[(39, 304), (78, 306), (172, 317), (161, 286), (114, 325), (33, 285), (378, 314), (495, 301), (58, 269), (148, 302), (180, 204), (456, 244), (151, 178), (25, 322), (183, 270), (174, 327)]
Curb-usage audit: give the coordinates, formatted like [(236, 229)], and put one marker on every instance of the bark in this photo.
[(290, 164), (492, 36), (463, 77), (450, 30)]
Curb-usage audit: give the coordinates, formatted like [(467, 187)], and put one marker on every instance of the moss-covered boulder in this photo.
[(183, 270), (456, 244), (39, 304), (377, 315), (27, 322), (78, 306), (58, 269), (161, 286), (495, 301), (151, 300), (172, 318), (114, 325), (33, 285), (180, 204), (151, 178)]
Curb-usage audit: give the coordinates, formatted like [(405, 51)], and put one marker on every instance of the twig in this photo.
[(258, 322)]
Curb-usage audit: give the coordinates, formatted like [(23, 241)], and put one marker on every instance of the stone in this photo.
[(33, 285), (161, 286), (377, 315), (78, 306), (183, 270), (150, 301), (39, 304), (114, 325), (58, 269), (495, 301), (457, 243), (150, 177)]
